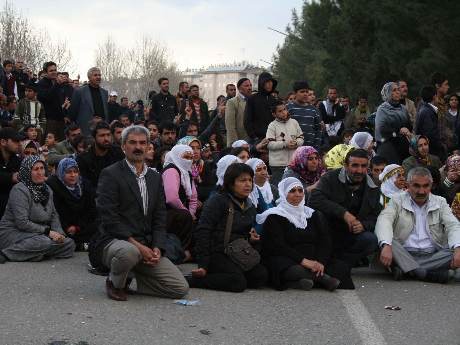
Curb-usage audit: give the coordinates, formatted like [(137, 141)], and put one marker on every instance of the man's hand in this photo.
[(292, 144), (456, 259), (199, 273), (357, 227), (148, 255), (386, 255), (349, 219), (188, 113), (262, 146), (313, 266), (221, 111)]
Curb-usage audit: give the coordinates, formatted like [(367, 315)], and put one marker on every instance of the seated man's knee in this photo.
[(128, 254)]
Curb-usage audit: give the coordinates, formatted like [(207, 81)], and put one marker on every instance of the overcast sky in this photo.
[(196, 32)]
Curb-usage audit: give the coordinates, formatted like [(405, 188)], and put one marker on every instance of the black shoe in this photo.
[(328, 282), (397, 273), (441, 277), (302, 284), (3, 258)]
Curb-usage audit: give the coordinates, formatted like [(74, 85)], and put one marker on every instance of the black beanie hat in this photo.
[(299, 85)]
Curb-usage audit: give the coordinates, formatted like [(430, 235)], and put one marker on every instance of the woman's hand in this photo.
[(56, 236), (254, 236), (199, 273)]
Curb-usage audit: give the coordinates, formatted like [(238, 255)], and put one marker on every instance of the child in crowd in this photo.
[(29, 110), (284, 135)]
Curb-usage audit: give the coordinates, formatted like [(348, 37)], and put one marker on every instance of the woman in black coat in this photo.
[(215, 269), (296, 246), (74, 200)]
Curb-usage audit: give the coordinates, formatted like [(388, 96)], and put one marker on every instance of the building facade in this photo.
[(212, 80)]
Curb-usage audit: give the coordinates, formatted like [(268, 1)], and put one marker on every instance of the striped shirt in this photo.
[(142, 185), (309, 121)]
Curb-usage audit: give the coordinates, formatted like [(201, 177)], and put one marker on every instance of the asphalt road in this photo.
[(59, 303)]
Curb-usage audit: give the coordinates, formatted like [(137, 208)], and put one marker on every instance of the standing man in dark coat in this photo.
[(90, 102), (258, 113), (131, 202), (427, 123), (9, 163), (164, 105), (350, 200), (49, 93)]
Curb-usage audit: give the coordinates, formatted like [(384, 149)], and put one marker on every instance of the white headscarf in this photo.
[(388, 187), (184, 165), (296, 215), (361, 140), (265, 190), (239, 143), (222, 166)]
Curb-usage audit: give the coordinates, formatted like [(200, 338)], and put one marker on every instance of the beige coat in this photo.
[(397, 221), (279, 134), (234, 120)]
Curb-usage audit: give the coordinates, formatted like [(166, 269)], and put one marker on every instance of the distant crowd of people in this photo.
[(262, 190)]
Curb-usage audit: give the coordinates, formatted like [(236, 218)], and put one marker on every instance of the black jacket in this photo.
[(73, 211), (22, 79), (164, 107), (258, 114), (50, 95), (333, 198), (120, 208), (426, 124), (91, 165), (6, 174), (209, 234), (114, 111)]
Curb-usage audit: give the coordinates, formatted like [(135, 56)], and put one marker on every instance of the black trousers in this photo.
[(224, 275), (180, 223)]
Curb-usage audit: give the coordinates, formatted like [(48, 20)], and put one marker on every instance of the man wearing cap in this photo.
[(9, 163), (234, 112), (113, 106)]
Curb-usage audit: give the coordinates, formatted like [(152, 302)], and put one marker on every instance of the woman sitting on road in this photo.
[(216, 270), (30, 229), (296, 246), (74, 200)]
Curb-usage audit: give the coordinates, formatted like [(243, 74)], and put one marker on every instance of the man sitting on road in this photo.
[(131, 203), (350, 200), (418, 233)]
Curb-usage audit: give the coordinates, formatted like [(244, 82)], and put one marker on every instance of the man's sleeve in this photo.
[(385, 221), (321, 200), (159, 218)]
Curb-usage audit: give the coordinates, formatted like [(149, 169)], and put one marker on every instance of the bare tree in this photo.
[(134, 72), (19, 39)]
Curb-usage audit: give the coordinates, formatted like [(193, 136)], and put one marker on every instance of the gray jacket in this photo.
[(389, 120), (82, 109), (25, 218), (397, 221)]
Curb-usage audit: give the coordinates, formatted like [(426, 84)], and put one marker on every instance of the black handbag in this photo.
[(240, 250)]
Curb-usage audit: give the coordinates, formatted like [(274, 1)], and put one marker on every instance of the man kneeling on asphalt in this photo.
[(132, 208), (418, 234)]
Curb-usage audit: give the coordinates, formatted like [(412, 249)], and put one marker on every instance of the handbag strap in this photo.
[(229, 225)]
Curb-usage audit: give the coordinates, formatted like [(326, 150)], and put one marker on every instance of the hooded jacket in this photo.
[(258, 114)]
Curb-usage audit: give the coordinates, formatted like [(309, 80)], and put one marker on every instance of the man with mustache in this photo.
[(102, 154), (350, 200), (131, 240), (418, 233)]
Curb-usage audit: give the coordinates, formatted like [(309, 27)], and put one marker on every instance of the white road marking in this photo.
[(361, 319)]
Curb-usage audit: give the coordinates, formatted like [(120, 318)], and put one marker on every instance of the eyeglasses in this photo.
[(296, 189)]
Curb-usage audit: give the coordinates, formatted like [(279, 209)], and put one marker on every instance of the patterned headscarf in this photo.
[(64, 165), (386, 92), (413, 150), (299, 164), (39, 191), (453, 163)]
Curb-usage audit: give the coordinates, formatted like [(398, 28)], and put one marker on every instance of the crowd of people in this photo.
[(261, 191)]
